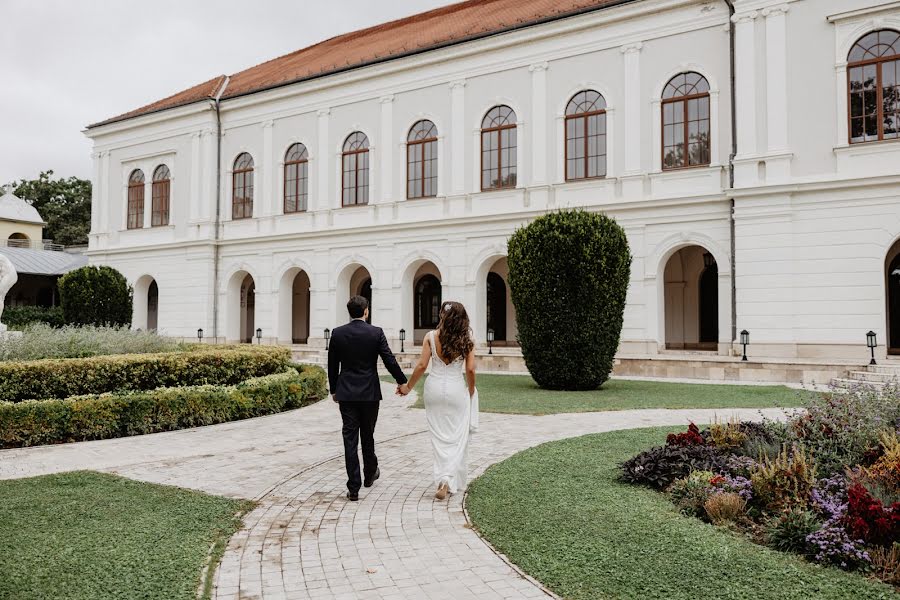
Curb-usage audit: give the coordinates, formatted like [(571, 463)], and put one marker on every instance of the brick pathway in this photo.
[(305, 540)]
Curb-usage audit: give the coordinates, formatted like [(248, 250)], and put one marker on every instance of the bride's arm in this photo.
[(422, 365), (470, 372)]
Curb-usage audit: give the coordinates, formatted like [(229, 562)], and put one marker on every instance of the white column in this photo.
[(196, 175), (207, 201), (541, 120), (386, 156), (457, 137), (148, 197), (656, 135), (323, 155), (631, 104), (843, 109), (105, 225), (776, 78), (266, 207), (745, 68), (96, 184)]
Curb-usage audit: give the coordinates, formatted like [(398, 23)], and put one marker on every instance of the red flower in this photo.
[(867, 518), (691, 437)]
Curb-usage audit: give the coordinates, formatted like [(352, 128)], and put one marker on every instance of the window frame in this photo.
[(499, 131), (345, 154), (160, 197), (879, 89), (243, 202), (410, 146), (686, 124), (585, 116), (134, 218), (302, 164)]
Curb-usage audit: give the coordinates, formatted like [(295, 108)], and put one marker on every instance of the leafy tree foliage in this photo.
[(65, 204), (96, 296), (568, 276)]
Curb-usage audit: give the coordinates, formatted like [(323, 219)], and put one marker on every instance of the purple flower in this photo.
[(829, 497), (832, 545), (736, 485)]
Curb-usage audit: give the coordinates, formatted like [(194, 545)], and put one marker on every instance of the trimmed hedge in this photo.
[(120, 414), (568, 278), (63, 378), (18, 317), (95, 295)]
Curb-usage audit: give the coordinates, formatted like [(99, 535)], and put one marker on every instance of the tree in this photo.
[(568, 277), (65, 204), (95, 296)]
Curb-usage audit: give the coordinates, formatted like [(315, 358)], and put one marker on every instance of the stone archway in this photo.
[(240, 308), (691, 300), (427, 295), (500, 314), (294, 307), (146, 304), (153, 307), (354, 280), (248, 309), (892, 298)]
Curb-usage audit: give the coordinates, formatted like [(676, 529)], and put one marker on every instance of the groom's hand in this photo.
[(403, 389), (334, 397)]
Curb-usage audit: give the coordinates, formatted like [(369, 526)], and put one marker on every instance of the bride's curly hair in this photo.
[(454, 331)]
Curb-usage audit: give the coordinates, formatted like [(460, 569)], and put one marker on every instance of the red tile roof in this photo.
[(425, 31)]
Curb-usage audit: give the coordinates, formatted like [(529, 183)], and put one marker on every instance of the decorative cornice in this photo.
[(775, 11), (747, 17)]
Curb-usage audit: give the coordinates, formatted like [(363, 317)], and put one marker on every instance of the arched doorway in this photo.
[(496, 306), (692, 300), (18, 240), (427, 305), (248, 310), (300, 303), (152, 306), (892, 288)]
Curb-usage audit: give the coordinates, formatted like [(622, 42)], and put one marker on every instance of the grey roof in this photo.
[(13, 208), (42, 262)]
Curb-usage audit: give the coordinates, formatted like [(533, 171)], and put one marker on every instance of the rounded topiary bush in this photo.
[(95, 296), (568, 276)]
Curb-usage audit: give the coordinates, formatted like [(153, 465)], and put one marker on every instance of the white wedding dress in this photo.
[(448, 410)]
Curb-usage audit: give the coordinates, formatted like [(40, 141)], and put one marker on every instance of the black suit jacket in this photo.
[(353, 362)]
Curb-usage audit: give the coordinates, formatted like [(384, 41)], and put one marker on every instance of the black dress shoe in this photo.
[(371, 480), (353, 496)]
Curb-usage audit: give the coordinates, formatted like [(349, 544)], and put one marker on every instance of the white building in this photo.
[(390, 193)]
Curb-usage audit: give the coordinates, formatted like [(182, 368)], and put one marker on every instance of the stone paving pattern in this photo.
[(305, 540)]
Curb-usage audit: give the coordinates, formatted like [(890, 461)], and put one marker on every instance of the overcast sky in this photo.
[(67, 63)]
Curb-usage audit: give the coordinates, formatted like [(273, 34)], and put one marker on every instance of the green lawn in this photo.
[(87, 535), (518, 394), (558, 512)]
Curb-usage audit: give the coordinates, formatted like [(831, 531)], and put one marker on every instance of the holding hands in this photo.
[(402, 389)]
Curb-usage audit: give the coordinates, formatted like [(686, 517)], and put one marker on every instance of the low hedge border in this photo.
[(67, 377), (127, 413)]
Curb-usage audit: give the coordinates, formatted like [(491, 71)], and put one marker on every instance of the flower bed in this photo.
[(125, 413), (825, 485)]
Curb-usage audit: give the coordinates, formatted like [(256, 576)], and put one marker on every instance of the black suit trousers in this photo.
[(359, 425)]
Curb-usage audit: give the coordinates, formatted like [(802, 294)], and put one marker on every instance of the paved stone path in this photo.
[(305, 540)]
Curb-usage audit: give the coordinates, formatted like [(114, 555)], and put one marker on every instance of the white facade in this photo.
[(814, 218)]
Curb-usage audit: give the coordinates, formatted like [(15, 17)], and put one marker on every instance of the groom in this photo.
[(353, 380)]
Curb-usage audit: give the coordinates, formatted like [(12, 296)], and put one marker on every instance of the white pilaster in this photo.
[(386, 157), (457, 137), (105, 225), (196, 175), (539, 135), (323, 155), (745, 69), (776, 78), (267, 206), (632, 108), (96, 184), (206, 202)]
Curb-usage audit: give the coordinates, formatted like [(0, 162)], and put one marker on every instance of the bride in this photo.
[(449, 395)]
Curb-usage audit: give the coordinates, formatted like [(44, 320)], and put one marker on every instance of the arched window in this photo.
[(586, 136), (421, 160), (296, 179), (498, 149), (159, 213), (242, 187), (355, 161), (685, 122), (428, 302), (873, 78), (136, 199)]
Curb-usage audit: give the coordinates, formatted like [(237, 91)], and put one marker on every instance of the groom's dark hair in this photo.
[(357, 306)]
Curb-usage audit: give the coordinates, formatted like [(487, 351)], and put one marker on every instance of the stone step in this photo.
[(893, 369), (844, 384), (874, 376)]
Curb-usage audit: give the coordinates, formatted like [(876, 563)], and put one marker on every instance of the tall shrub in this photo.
[(95, 296), (568, 276)]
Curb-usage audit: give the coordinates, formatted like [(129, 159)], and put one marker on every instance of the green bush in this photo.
[(40, 340), (95, 296), (119, 414), (568, 276), (44, 379), (19, 317)]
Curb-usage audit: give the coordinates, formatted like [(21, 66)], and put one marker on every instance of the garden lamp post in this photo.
[(871, 342), (200, 336), (745, 339), (402, 340), (327, 337), (490, 341), (258, 335)]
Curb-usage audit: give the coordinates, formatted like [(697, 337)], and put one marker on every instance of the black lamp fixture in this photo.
[(200, 335), (402, 340), (490, 341), (745, 339), (708, 260), (871, 342), (259, 335), (327, 337)]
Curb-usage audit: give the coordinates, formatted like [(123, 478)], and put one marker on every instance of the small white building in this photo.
[(396, 161)]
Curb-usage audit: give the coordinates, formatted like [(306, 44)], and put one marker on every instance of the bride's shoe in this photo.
[(442, 492)]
